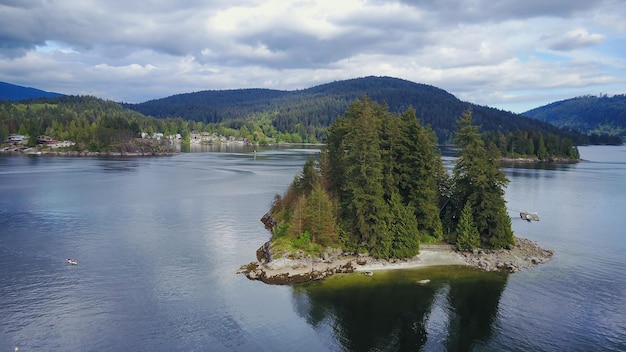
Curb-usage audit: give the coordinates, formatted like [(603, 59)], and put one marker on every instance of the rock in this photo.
[(523, 254), (325, 256)]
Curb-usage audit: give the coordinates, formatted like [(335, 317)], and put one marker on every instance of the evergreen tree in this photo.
[(364, 203), (541, 148), (309, 177), (418, 168), (297, 219), (333, 158), (467, 236), (479, 181), (404, 229), (320, 217), (389, 143)]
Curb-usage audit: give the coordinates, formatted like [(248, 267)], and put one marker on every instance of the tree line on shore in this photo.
[(96, 124), (380, 187)]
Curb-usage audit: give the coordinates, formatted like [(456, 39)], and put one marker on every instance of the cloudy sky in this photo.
[(510, 54)]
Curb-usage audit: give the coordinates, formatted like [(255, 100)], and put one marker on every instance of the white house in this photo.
[(17, 139)]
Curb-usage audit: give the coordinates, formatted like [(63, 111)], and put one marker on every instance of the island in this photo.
[(379, 197)]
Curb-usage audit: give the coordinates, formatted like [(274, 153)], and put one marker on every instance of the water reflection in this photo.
[(391, 311), (119, 165), (474, 306)]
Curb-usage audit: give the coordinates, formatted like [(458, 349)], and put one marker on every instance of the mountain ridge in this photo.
[(309, 111), (587, 114), (13, 92)]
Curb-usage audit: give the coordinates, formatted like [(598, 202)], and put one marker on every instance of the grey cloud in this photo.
[(140, 49), (575, 40), (158, 25), (472, 11), (361, 32)]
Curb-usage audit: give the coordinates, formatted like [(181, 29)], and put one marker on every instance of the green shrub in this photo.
[(428, 239)]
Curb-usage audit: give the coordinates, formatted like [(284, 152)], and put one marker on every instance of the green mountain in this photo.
[(310, 111), (594, 115), (14, 92)]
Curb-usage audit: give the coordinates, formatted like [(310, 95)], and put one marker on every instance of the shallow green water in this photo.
[(391, 311)]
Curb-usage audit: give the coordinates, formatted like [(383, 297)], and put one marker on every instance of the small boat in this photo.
[(368, 273), (423, 282), (71, 261)]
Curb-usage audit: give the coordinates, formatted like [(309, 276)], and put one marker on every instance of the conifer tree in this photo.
[(418, 167), (467, 236), (308, 178), (297, 220), (365, 202), (389, 141), (333, 158), (320, 217), (404, 229), (479, 182)]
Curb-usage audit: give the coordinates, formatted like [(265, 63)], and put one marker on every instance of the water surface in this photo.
[(158, 241)]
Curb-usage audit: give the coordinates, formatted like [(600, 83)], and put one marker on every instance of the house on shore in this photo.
[(17, 139)]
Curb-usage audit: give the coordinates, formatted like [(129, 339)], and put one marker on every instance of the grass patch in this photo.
[(301, 244)]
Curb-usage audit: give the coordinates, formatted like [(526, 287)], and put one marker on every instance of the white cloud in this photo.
[(506, 54)]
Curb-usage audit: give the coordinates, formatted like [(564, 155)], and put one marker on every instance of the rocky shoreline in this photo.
[(278, 270), (131, 148), (536, 160)]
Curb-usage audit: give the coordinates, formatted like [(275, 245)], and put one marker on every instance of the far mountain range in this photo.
[(312, 110)]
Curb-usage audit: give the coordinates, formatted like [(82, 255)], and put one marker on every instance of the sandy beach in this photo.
[(426, 258)]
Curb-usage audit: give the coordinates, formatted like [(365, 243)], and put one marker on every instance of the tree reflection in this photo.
[(474, 306), (391, 311)]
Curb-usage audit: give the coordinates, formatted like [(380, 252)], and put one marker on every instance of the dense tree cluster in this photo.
[(602, 117), (380, 186), (96, 123), (532, 144), (88, 121), (478, 185)]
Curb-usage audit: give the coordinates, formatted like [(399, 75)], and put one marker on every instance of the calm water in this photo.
[(158, 241)]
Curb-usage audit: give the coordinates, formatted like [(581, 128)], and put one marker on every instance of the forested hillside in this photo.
[(310, 111), (91, 123), (14, 92), (601, 115), (99, 125)]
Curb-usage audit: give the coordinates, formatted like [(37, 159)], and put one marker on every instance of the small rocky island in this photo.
[(379, 197), (285, 268)]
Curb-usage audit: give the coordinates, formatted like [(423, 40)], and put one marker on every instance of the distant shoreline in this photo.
[(527, 160), (524, 254), (84, 153), (129, 148)]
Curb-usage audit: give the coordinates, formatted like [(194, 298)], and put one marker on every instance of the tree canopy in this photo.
[(479, 183), (379, 186)]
